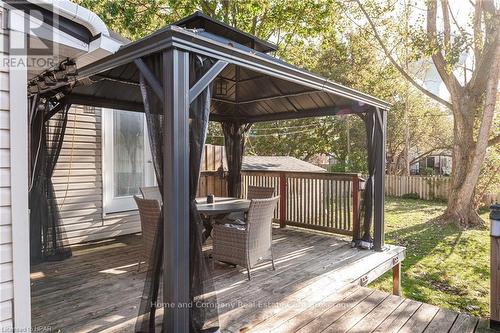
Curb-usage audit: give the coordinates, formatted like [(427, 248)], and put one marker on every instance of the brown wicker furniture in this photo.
[(253, 192), (151, 193), (247, 244), (221, 207), (149, 212), (259, 192)]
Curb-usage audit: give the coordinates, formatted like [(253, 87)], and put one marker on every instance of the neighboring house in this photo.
[(278, 163), (36, 35), (439, 163)]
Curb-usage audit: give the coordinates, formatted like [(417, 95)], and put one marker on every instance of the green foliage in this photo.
[(279, 21), (444, 265), (427, 171)]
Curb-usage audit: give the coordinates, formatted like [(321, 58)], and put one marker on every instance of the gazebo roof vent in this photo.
[(198, 20)]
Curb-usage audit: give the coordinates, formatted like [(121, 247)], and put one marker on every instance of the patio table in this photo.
[(221, 207)]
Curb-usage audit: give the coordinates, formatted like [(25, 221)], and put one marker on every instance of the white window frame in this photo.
[(112, 204)]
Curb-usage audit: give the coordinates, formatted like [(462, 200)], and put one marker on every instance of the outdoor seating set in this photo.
[(241, 229)]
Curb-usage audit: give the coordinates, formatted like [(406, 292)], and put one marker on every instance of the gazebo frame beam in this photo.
[(150, 78), (320, 112), (176, 190), (379, 179), (203, 82)]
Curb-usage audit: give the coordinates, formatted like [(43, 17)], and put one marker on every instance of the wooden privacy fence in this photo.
[(426, 187), (321, 201)]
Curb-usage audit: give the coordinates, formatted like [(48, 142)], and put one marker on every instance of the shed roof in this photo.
[(278, 163), (260, 87)]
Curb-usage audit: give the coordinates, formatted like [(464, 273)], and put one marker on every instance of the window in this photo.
[(127, 163)]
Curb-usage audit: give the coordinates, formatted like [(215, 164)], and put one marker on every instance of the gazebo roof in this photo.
[(258, 86)]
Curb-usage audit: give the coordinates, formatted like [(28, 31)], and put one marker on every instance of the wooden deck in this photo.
[(318, 286)]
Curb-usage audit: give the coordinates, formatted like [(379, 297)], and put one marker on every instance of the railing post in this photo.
[(283, 186), (356, 199)]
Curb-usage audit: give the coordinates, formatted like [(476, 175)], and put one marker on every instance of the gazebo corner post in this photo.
[(175, 74), (380, 130)]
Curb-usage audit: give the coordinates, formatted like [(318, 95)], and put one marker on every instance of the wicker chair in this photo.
[(253, 192), (259, 192), (151, 193), (149, 212), (246, 245)]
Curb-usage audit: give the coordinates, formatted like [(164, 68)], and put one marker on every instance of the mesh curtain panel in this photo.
[(234, 143), (48, 121), (202, 295), (202, 291), (153, 108), (366, 240)]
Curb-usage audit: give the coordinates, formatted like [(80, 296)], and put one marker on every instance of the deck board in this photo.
[(375, 317), (316, 287)]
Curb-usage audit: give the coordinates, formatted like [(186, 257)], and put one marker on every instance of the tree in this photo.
[(424, 131), (472, 99)]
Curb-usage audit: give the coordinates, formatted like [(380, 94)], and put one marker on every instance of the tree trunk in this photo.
[(464, 178)]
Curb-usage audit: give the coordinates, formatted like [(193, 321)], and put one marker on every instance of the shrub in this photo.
[(412, 195)]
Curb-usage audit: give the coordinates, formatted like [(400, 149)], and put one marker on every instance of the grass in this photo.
[(444, 265)]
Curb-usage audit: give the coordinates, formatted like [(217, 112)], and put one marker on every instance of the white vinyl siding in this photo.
[(6, 271), (79, 185)]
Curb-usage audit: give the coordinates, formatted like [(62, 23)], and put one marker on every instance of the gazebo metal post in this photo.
[(176, 190), (380, 125)]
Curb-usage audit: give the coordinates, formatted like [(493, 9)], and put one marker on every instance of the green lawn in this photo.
[(444, 266)]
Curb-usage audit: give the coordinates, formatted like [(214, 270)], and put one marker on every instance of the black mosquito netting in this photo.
[(203, 310), (48, 119), (366, 240), (234, 144)]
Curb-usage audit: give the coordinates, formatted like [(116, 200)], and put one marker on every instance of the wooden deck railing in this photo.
[(321, 201)]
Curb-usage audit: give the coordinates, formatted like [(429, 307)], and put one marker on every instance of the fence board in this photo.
[(426, 187)]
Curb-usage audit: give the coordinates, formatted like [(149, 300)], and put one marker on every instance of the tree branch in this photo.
[(478, 36), (447, 76), (477, 83), (446, 24), (395, 63)]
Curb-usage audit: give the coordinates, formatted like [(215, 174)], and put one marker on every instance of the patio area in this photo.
[(185, 75), (314, 272)]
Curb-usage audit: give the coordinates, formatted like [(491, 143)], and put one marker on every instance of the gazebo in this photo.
[(182, 76)]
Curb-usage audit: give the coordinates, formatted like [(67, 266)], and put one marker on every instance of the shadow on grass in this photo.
[(435, 254)]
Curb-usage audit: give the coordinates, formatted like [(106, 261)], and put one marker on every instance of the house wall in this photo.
[(78, 183), (14, 218), (6, 270), (6, 284)]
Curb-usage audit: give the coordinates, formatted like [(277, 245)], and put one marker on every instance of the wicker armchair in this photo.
[(259, 192), (246, 245), (253, 192), (149, 212), (151, 193)]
